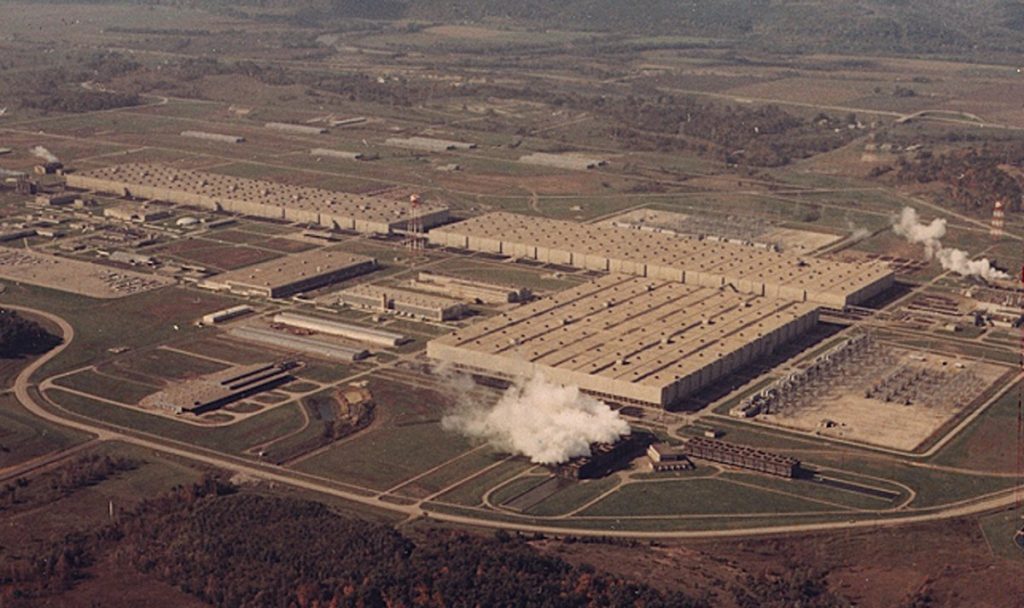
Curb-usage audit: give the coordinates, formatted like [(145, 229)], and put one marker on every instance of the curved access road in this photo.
[(108, 432)]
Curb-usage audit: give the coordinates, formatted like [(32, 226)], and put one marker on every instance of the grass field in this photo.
[(988, 444), (699, 496), (452, 472), (154, 317), (572, 497), (382, 458), (90, 505), (470, 493), (161, 363), (115, 389), (24, 437), (233, 439)]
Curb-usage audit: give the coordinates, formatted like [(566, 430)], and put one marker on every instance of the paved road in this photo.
[(106, 432)]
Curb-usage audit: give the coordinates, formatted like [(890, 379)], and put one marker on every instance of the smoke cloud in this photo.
[(909, 226), (546, 422), (43, 153)]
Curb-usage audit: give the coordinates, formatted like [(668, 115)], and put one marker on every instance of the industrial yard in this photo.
[(310, 289)]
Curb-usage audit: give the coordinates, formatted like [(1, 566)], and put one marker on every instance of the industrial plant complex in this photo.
[(258, 198), (629, 339), (669, 258)]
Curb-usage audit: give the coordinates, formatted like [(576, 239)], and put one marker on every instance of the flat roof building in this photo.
[(629, 339), (429, 144), (303, 344), (402, 301), (218, 137), (573, 161), (136, 213), (292, 274), (288, 127), (664, 257), (226, 314), (216, 390), (344, 330), (259, 198), (476, 291)]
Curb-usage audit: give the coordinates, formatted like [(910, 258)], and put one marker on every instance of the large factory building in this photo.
[(334, 210), (669, 258), (628, 339), (282, 277)]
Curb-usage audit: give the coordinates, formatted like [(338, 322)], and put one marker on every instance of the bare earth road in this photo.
[(109, 432)]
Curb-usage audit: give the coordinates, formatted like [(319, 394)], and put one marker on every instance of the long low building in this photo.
[(302, 344), (402, 301), (259, 198), (666, 257), (629, 339), (344, 330), (206, 393), (478, 291), (283, 277)]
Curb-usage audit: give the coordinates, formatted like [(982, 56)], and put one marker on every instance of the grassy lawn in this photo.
[(698, 496), (999, 529), (153, 317), (24, 437), (813, 490), (572, 497), (989, 442), (382, 458), (452, 473), (233, 439), (162, 363), (116, 389), (471, 492), (90, 505)]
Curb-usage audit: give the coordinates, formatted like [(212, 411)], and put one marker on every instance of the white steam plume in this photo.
[(857, 233), (910, 227), (544, 421), (959, 262), (43, 153)]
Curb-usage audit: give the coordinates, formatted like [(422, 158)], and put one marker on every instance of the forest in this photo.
[(973, 178), (231, 547), (20, 336)]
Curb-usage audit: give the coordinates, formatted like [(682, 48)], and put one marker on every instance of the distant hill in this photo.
[(965, 27), (866, 25)]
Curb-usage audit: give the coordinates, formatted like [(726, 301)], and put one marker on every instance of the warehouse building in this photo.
[(217, 137), (629, 339), (220, 316), (303, 344), (429, 144), (665, 257), (340, 154), (402, 301), (283, 277), (213, 391), (259, 198), (474, 291), (741, 456), (345, 330), (563, 161), (136, 213), (287, 127)]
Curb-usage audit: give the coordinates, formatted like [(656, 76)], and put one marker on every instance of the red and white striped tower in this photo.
[(998, 220)]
